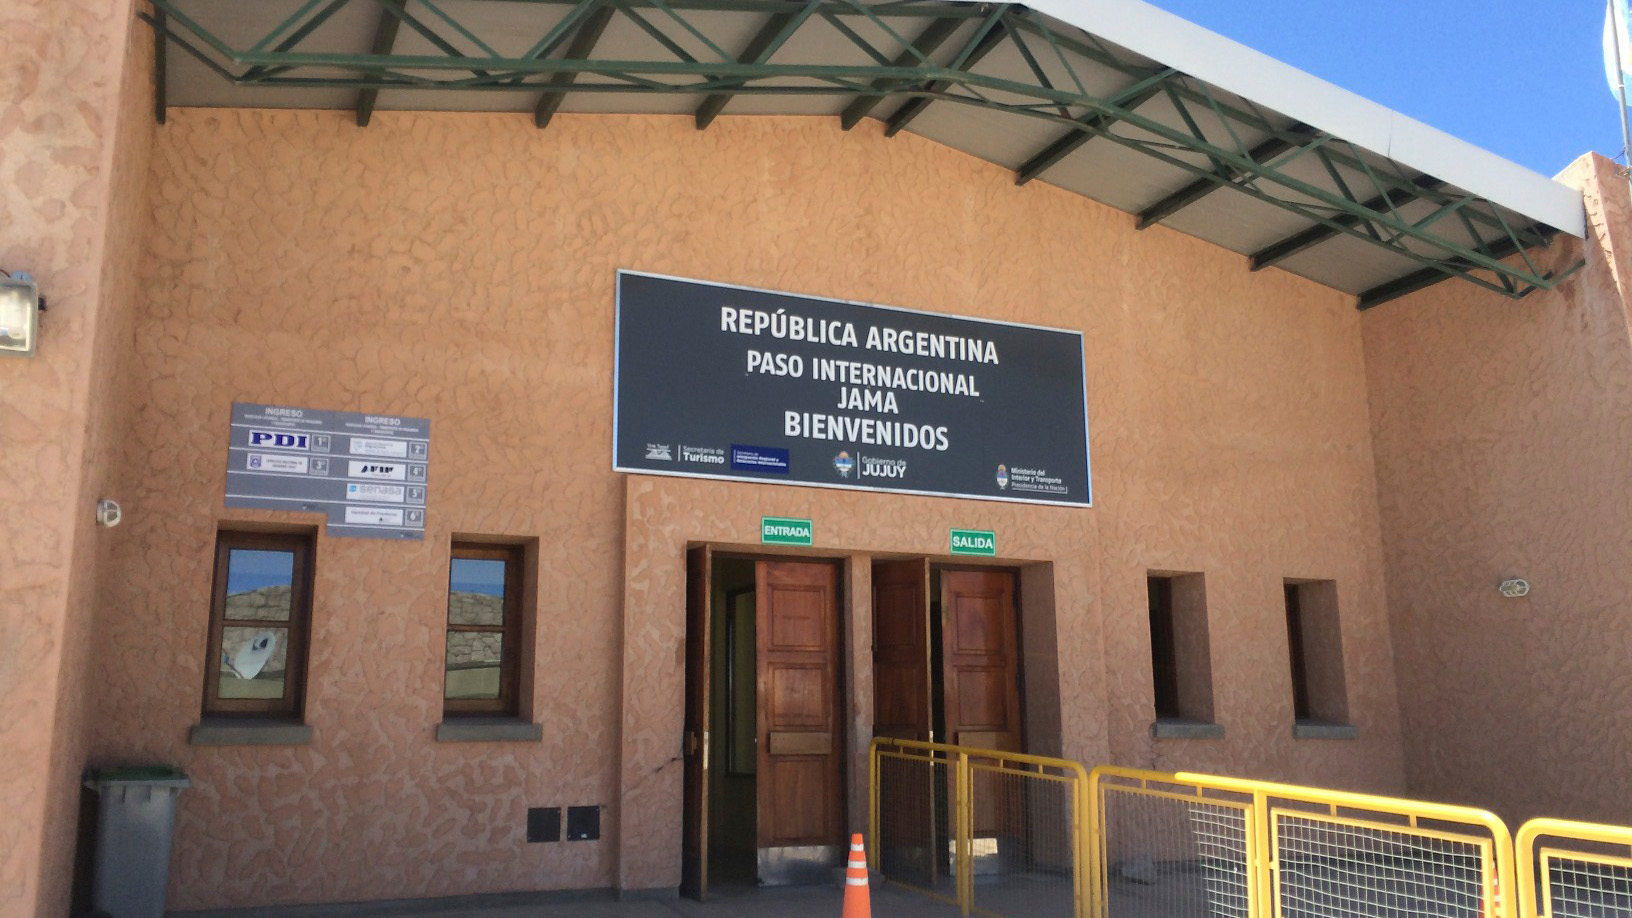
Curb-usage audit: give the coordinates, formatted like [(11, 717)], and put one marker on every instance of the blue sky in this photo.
[(1521, 78)]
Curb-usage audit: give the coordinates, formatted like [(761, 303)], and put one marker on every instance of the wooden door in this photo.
[(694, 828), (901, 655), (800, 801), (980, 667), (903, 692)]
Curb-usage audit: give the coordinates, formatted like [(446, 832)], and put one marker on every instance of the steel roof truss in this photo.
[(1427, 277), (1067, 143), (905, 68), (918, 52), (400, 11), (298, 35), (385, 37), (160, 66), (771, 36), (987, 36), (1314, 235), (583, 42)]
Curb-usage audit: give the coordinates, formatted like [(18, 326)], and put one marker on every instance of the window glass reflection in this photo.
[(259, 583)]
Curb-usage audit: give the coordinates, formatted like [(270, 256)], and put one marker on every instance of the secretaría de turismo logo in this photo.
[(843, 464)]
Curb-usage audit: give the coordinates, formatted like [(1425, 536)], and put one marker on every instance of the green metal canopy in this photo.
[(1010, 83)]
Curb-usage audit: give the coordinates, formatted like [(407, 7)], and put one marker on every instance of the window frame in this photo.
[(1164, 662), (1295, 642), (511, 655), (292, 704)]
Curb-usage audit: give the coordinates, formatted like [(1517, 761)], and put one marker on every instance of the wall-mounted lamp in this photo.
[(20, 307)]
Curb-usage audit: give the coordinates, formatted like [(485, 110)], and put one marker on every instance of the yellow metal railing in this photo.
[(941, 815), (1215, 846), (1021, 836), (1585, 870)]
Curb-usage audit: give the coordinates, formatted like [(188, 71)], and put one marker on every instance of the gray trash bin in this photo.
[(135, 813)]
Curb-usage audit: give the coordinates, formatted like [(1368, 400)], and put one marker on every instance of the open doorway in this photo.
[(733, 790), (946, 658), (946, 666), (764, 744)]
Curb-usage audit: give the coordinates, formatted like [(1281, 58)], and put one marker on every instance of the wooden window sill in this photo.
[(488, 730), (1174, 728), (248, 732)]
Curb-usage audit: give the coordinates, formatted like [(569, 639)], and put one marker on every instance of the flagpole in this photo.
[(1620, 68)]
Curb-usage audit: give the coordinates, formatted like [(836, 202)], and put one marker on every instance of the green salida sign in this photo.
[(776, 530), (974, 542)]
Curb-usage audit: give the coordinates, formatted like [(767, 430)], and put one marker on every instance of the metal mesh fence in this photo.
[(1584, 870), (1582, 885), (1023, 840), (1003, 834), (1173, 853), (914, 834), (1332, 867), (995, 833)]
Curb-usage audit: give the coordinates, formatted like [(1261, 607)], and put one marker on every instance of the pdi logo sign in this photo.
[(279, 439)]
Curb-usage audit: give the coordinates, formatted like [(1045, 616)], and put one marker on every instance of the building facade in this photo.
[(1256, 442)]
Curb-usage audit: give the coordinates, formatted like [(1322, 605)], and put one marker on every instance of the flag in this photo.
[(1617, 47)]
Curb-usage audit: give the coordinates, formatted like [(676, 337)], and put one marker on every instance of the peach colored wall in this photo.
[(1504, 443), (461, 268), (74, 121)]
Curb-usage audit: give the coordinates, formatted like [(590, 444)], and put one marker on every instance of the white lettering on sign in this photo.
[(272, 462), (279, 439), (374, 516), (392, 494), (389, 471), (365, 446)]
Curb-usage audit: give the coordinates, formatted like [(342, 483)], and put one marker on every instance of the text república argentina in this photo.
[(864, 386)]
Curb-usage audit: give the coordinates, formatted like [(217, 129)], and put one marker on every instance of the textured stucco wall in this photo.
[(461, 268), (73, 149), (1504, 441)]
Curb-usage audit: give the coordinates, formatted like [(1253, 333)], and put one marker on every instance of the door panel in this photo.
[(902, 709), (799, 788), (795, 781), (694, 828), (979, 659), (901, 678), (981, 678)]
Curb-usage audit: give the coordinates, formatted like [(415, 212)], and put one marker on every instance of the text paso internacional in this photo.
[(718, 381)]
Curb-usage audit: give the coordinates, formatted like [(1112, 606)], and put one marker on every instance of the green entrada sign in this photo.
[(775, 530), (974, 542)]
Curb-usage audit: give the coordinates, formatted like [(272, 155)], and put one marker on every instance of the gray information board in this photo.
[(716, 381), (368, 472)]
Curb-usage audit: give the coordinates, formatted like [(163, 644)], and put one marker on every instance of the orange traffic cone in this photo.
[(856, 901)]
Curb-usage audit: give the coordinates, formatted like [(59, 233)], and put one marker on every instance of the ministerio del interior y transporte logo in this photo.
[(1002, 476), (843, 464)]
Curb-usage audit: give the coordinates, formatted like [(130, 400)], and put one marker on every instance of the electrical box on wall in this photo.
[(583, 823), (544, 824)]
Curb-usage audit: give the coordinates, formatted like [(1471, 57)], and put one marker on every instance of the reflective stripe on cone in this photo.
[(857, 902)]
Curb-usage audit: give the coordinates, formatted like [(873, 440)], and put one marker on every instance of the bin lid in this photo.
[(136, 775)]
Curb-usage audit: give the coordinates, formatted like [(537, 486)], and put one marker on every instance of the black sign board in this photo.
[(367, 472), (716, 381)]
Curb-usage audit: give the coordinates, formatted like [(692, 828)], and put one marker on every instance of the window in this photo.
[(1315, 643), (482, 673), (258, 624), (1164, 661), (1180, 653)]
